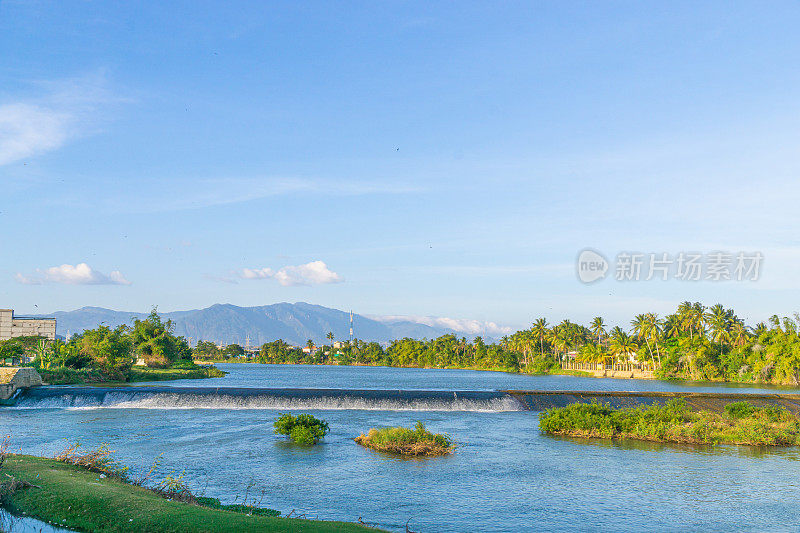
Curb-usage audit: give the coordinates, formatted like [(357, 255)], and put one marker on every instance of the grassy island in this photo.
[(71, 496), (417, 442), (741, 423)]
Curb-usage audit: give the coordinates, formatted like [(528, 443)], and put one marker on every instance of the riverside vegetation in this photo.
[(89, 491), (104, 354), (695, 343), (741, 423), (403, 441)]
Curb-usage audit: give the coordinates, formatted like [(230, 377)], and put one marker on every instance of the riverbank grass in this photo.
[(71, 496), (740, 423), (418, 442)]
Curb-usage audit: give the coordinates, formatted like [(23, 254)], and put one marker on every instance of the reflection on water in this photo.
[(20, 524), (504, 476), (790, 453)]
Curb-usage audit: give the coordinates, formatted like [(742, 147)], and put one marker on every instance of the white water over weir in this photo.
[(256, 398)]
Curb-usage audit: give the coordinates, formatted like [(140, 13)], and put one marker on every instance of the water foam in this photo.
[(273, 400)]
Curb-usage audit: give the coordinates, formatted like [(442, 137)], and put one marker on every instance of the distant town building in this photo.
[(22, 326)]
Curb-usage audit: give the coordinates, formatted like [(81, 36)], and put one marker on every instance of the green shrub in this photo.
[(739, 409), (302, 429)]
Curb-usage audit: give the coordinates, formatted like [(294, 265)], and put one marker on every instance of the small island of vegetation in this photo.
[(418, 442), (302, 429), (740, 423)]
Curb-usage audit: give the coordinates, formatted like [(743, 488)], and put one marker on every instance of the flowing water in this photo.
[(504, 476)]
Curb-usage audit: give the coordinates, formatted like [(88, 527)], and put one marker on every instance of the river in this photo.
[(504, 475)]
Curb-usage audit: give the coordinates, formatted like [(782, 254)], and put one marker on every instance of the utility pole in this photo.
[(351, 326)]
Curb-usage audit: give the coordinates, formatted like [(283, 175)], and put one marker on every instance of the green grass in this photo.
[(71, 376), (741, 423), (403, 441), (73, 497)]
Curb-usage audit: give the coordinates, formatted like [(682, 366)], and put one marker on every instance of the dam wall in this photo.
[(165, 397), (13, 379)]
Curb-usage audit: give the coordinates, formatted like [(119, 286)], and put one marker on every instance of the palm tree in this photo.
[(622, 345), (739, 332), (673, 326), (598, 327), (330, 337), (718, 320), (655, 328), (539, 330), (641, 331)]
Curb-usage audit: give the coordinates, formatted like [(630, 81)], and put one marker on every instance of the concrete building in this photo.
[(21, 326)]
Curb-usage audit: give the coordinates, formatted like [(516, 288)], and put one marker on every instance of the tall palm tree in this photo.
[(598, 328), (539, 330), (641, 331), (717, 319), (330, 337)]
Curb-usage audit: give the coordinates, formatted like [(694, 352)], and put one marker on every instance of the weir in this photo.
[(159, 397), (15, 379), (147, 397)]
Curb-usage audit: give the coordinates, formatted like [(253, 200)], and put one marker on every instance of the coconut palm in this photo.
[(539, 330), (598, 328), (641, 331), (622, 345)]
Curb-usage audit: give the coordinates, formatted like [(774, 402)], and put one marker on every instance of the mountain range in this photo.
[(293, 322)]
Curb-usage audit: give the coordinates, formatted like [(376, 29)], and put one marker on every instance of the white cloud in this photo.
[(313, 273), (80, 274), (35, 126), (27, 130), (461, 325)]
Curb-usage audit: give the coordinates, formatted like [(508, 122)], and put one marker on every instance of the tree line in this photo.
[(695, 343), (109, 351)]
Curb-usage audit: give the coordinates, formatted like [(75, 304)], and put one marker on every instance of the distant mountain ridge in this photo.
[(293, 322)]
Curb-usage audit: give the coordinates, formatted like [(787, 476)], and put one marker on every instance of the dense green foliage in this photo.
[(695, 342), (417, 442), (302, 429), (74, 497), (155, 343), (68, 376), (742, 423), (107, 354)]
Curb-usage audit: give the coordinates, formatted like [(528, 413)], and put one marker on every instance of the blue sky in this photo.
[(398, 158)]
